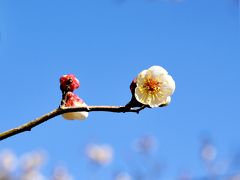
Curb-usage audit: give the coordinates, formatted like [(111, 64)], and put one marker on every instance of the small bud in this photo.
[(72, 100), (69, 82)]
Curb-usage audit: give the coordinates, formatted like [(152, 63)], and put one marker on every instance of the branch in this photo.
[(29, 125)]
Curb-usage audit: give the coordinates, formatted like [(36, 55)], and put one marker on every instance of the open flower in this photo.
[(99, 154), (69, 82), (8, 161), (154, 87), (32, 161), (72, 100)]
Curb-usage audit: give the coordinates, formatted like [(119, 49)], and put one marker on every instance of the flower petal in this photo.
[(141, 77), (168, 85), (157, 100), (76, 115), (157, 71), (168, 100), (141, 96)]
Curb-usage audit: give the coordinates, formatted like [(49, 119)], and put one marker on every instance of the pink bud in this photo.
[(69, 82), (72, 100)]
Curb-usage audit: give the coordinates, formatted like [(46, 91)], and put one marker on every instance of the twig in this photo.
[(29, 125)]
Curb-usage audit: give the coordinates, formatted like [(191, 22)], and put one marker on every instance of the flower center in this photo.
[(152, 86)]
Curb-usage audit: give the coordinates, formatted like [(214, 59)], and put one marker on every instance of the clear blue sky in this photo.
[(106, 44)]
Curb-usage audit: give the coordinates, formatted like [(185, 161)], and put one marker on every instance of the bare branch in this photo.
[(29, 125)]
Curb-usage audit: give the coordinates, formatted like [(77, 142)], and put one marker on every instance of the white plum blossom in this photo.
[(100, 154), (61, 173), (33, 174), (31, 163), (33, 160), (154, 87), (8, 160)]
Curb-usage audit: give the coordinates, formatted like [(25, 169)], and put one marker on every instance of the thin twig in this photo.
[(29, 125)]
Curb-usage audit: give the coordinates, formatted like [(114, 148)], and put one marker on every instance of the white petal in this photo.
[(157, 71), (141, 77), (155, 103), (81, 115), (157, 100), (168, 100), (76, 115), (168, 85), (171, 83), (141, 96), (68, 116)]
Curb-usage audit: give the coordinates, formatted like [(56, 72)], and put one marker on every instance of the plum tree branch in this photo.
[(29, 125)]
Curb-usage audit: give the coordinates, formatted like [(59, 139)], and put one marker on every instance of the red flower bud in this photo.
[(72, 100), (69, 82)]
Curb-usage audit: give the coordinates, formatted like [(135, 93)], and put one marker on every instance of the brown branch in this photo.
[(29, 125)]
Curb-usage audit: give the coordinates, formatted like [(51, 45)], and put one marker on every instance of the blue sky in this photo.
[(106, 44)]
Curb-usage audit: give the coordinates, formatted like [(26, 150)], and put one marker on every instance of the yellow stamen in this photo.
[(151, 86)]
